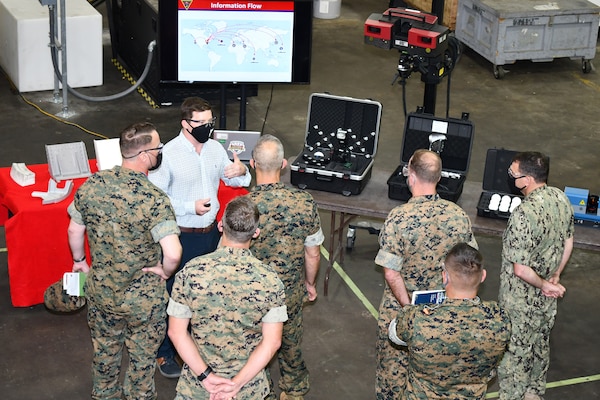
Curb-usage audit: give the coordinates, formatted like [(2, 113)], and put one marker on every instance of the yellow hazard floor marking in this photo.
[(587, 82), (351, 285), (565, 382)]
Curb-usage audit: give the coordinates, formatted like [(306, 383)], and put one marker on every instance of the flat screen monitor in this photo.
[(242, 41)]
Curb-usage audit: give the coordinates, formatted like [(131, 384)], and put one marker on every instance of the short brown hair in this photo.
[(534, 164), (193, 104), (465, 263), (135, 137), (240, 219)]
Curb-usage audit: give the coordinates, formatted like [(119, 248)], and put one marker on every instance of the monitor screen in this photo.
[(242, 41)]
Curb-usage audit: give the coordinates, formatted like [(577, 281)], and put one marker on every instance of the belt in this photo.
[(198, 230)]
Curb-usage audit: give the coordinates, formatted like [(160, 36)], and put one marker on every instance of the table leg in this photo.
[(335, 251)]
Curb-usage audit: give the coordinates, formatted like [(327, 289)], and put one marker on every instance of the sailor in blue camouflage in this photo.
[(414, 240), (537, 244), (133, 238), (454, 347), (289, 242), (228, 297)]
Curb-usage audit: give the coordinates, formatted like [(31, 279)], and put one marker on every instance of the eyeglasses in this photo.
[(159, 149), (512, 174), (203, 122)]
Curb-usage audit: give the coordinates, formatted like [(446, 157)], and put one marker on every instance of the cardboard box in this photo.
[(450, 8)]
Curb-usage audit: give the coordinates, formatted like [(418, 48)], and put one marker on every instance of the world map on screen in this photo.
[(235, 50)]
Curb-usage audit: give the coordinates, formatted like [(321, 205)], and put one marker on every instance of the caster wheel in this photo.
[(350, 238), (499, 72), (586, 66), (350, 244)]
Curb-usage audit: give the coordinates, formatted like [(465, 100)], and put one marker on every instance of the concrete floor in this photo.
[(551, 107)]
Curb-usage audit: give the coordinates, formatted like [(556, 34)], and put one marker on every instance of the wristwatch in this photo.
[(205, 374)]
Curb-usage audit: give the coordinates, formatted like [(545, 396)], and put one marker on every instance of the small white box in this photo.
[(25, 38)]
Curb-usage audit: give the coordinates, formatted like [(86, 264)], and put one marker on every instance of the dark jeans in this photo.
[(194, 245)]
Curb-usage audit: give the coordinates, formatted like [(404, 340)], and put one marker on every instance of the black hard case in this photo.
[(495, 180), (456, 153), (351, 160)]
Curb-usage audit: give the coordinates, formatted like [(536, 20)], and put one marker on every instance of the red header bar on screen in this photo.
[(231, 5)]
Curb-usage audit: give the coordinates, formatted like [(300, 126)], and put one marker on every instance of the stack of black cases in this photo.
[(497, 184), (340, 145), (451, 138)]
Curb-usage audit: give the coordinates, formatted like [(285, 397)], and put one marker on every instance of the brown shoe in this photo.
[(285, 396), (168, 367)]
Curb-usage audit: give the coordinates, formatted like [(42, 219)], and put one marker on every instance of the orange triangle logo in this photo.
[(187, 3)]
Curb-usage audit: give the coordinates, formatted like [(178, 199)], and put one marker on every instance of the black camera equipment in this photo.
[(424, 45)]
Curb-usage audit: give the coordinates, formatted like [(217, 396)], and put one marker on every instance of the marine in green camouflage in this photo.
[(454, 348), (535, 236), (227, 294), (414, 240), (125, 216), (288, 222)]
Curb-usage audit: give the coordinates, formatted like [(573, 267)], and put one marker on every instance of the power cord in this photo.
[(61, 120), (267, 110)]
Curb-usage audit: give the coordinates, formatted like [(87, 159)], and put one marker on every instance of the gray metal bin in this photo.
[(509, 30)]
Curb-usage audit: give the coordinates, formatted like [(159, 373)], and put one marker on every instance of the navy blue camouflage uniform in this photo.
[(535, 236)]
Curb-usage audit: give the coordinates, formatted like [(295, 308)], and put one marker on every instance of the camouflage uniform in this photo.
[(289, 220), (453, 348), (227, 294), (125, 217), (414, 240), (535, 237)]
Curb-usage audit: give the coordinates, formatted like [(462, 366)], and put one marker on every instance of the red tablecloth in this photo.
[(36, 234)]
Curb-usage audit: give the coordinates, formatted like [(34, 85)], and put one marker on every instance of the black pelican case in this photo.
[(451, 138), (495, 181), (340, 145)]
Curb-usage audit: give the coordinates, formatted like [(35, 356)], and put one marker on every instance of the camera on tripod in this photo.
[(422, 42)]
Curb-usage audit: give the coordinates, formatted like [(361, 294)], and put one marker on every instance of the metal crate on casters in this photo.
[(509, 30), (498, 198), (451, 138), (340, 145)]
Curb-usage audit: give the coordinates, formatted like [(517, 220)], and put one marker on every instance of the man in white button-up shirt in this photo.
[(192, 167)]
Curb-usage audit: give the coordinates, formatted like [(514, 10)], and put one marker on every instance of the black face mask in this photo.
[(158, 162), (202, 133), (513, 185)]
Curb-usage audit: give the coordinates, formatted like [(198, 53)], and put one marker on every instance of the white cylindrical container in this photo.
[(326, 9)]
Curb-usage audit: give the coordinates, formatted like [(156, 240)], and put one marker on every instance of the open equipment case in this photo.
[(451, 138), (340, 145), (496, 184)]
